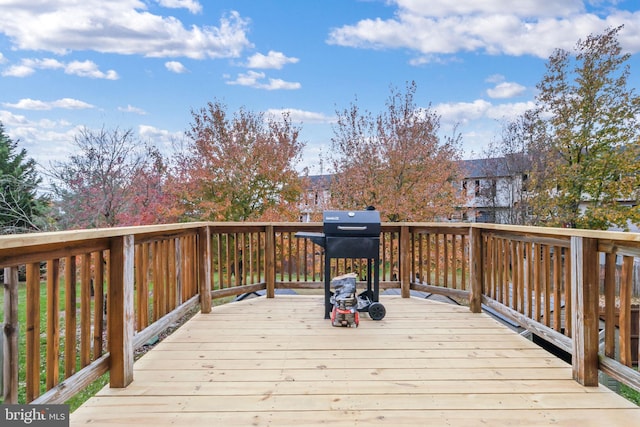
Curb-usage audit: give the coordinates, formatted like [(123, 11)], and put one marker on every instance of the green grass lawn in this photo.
[(81, 397), (22, 310)]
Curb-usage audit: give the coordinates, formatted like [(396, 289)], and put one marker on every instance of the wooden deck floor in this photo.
[(278, 362)]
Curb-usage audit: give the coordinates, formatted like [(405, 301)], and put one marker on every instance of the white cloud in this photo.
[(64, 103), (302, 116), (48, 141), (463, 112), (121, 27), (45, 140), (432, 59), (277, 84), (432, 28), (79, 68), (466, 112), (29, 66), (175, 67), (260, 81), (274, 60), (191, 5), (71, 104), (506, 90), (508, 111), (18, 71), (89, 69), (132, 109), (523, 8), (2, 58), (161, 138), (495, 78), (9, 119)]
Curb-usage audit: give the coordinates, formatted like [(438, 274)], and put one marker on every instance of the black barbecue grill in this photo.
[(355, 235)]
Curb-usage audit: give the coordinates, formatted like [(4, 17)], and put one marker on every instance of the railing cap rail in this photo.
[(563, 232), (45, 238)]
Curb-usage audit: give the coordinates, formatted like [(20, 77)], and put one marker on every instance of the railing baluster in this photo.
[(476, 265), (10, 357), (546, 279), (429, 280), (33, 331), (85, 310), (270, 262), (521, 296), (204, 268), (557, 283), (626, 284), (568, 299), (98, 303), (70, 316), (405, 262), (53, 323)]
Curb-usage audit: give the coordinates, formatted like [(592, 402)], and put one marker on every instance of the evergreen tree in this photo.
[(21, 208)]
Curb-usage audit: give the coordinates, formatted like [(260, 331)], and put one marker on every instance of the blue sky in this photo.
[(145, 64)]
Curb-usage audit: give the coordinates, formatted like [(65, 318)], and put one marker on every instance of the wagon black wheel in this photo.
[(377, 311)]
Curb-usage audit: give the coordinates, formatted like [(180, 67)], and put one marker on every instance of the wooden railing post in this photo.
[(270, 260), (585, 300), (405, 262), (121, 313), (10, 337), (204, 266), (475, 269)]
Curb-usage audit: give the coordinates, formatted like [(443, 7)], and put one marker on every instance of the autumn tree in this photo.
[(151, 200), (22, 209), (395, 161), (99, 185), (590, 167), (238, 167)]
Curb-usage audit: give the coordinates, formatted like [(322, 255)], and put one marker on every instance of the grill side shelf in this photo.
[(317, 238)]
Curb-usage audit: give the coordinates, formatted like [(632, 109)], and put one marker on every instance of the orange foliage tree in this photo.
[(395, 161), (151, 201), (238, 167)]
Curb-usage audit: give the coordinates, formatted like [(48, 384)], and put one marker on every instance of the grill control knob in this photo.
[(351, 214)]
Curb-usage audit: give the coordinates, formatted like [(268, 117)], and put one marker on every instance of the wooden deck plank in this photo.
[(175, 363), (458, 418), (278, 362), (345, 401), (352, 374), (309, 388)]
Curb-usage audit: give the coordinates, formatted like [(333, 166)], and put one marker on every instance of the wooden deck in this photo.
[(278, 362)]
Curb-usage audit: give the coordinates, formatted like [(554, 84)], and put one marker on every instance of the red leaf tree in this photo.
[(238, 167)]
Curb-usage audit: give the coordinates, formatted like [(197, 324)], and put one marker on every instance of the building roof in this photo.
[(493, 167), (320, 181)]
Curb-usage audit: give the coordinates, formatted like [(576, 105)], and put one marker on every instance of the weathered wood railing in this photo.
[(129, 284)]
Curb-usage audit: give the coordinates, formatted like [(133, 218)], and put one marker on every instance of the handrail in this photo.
[(561, 284)]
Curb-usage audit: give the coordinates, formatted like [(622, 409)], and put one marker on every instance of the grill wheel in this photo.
[(377, 311)]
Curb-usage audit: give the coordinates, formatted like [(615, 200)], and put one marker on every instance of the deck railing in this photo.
[(572, 288)]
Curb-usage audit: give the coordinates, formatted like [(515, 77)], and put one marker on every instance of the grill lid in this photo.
[(351, 223)]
